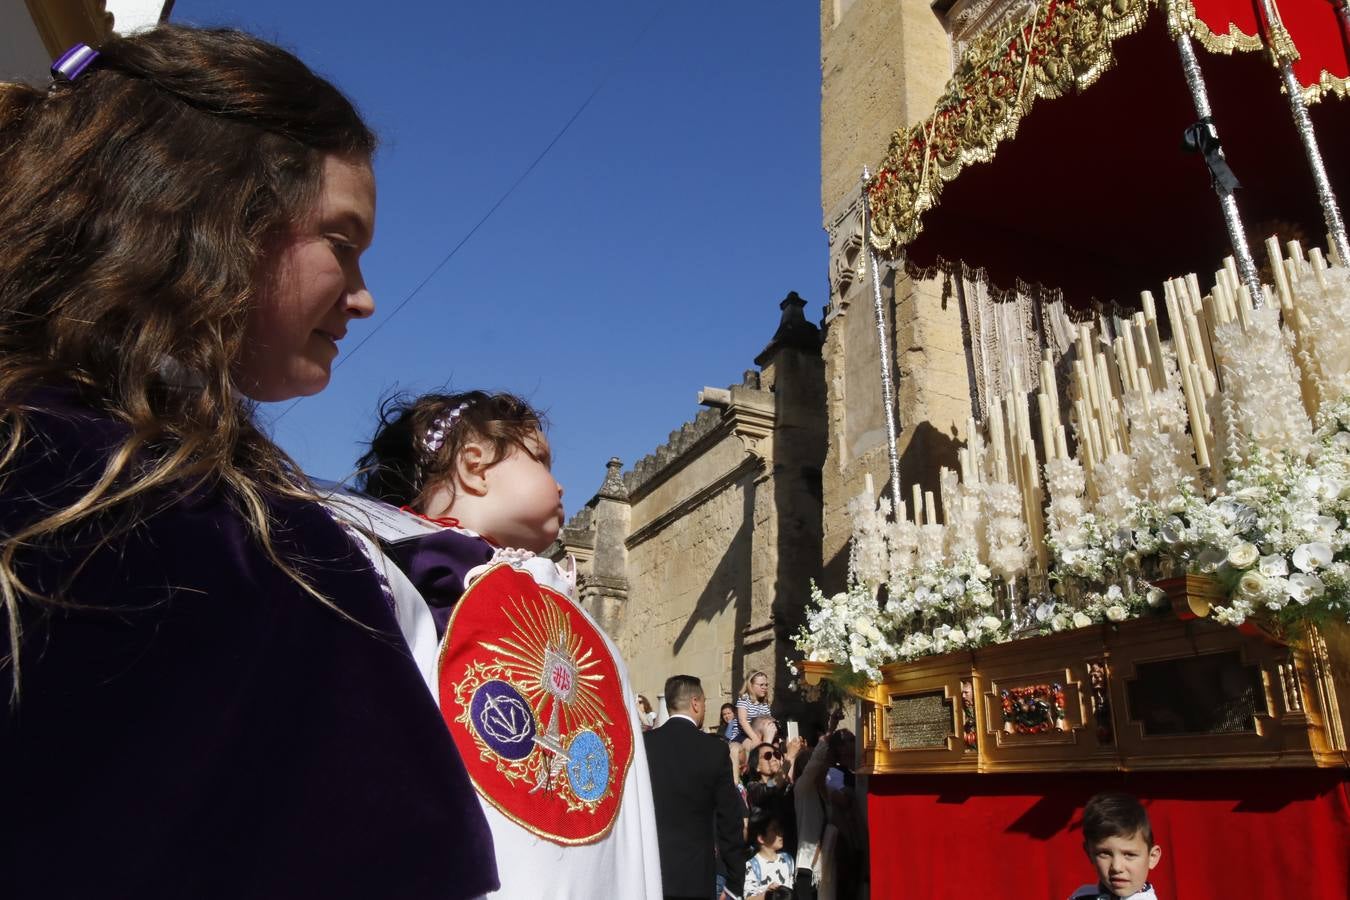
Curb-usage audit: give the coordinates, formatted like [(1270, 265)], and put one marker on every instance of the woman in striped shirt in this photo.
[(753, 714)]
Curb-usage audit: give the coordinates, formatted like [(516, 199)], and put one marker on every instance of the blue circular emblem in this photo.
[(503, 719), (588, 766)]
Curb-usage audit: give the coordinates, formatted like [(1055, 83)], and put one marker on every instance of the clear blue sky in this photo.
[(642, 259)]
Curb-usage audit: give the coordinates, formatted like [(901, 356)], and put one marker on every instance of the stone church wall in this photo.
[(698, 560)]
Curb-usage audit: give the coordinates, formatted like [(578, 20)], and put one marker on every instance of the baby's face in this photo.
[(1123, 863), (526, 499)]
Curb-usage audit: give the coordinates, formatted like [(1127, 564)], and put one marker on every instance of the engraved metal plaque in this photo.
[(919, 721)]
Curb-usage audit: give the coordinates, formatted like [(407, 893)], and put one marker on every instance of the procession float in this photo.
[(1137, 575)]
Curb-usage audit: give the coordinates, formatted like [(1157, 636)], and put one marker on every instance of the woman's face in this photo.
[(311, 290), (760, 687), (727, 715)]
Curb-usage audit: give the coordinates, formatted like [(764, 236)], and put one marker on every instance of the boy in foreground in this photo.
[(1118, 840)]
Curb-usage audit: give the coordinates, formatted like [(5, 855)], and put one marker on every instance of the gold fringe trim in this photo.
[(1327, 86), (1235, 41)]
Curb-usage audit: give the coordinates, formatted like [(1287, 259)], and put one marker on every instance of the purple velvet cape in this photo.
[(206, 729), (436, 565)]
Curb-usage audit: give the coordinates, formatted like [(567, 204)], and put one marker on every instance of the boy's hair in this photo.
[(403, 466), (761, 822), (1115, 814), (140, 205)]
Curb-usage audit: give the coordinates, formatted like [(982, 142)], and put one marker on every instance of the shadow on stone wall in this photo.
[(729, 582)]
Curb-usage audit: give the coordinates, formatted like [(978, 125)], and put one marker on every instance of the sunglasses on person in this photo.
[(769, 754)]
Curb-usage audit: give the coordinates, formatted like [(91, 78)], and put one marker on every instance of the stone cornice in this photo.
[(747, 466)]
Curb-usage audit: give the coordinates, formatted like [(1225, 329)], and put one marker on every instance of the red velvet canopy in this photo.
[(1095, 195)]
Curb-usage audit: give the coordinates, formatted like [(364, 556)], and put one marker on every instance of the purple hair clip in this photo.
[(73, 62), (441, 427)]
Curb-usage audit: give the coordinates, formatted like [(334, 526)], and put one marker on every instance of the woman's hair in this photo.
[(756, 755), (644, 703), (745, 688), (419, 440), (138, 206)]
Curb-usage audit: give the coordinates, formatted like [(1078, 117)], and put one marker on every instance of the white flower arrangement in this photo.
[(1265, 513)]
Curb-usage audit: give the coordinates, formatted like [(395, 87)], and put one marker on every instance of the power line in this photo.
[(613, 69)]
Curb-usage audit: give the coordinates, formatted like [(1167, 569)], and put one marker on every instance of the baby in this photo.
[(1118, 840), (536, 697)]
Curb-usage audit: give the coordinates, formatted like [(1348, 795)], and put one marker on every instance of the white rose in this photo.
[(1045, 611), (839, 599), (981, 571), (1155, 597), (957, 637), (1176, 504), (1273, 566), (1252, 584), (1081, 620), (1059, 622), (991, 623), (1116, 613), (1115, 593), (1304, 587), (861, 624), (953, 588), (1243, 555)]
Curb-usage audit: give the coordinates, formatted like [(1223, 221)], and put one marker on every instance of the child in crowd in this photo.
[(757, 725), (535, 695), (1118, 840), (770, 873)]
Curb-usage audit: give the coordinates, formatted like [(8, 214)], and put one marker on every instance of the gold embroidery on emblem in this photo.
[(543, 661)]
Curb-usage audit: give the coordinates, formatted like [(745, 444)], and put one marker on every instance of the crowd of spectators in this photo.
[(803, 818)]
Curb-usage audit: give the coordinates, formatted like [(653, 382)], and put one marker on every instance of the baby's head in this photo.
[(1118, 840), (479, 458)]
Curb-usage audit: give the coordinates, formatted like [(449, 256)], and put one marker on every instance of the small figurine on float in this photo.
[(1118, 840), (536, 696)]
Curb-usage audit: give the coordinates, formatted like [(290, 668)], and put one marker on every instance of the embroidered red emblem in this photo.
[(533, 700)]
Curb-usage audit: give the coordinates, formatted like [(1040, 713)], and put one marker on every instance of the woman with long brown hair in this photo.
[(209, 695)]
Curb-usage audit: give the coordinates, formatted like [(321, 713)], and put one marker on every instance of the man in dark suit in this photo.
[(697, 806)]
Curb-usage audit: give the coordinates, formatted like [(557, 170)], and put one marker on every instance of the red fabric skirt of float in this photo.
[(1252, 833)]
